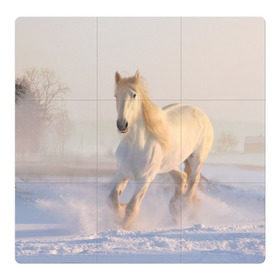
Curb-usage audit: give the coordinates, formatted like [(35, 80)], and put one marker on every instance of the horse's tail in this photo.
[(204, 179)]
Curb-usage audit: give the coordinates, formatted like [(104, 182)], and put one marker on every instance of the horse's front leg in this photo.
[(114, 197), (132, 208)]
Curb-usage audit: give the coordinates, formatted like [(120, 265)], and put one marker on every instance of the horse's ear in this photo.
[(137, 76), (117, 77)]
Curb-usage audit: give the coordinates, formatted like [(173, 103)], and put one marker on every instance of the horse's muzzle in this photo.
[(122, 125)]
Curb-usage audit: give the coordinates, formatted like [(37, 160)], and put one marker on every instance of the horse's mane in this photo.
[(152, 116)]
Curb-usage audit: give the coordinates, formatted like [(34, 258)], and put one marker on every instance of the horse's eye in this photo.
[(134, 95)]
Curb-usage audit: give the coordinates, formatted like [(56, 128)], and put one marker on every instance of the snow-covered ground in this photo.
[(66, 220)]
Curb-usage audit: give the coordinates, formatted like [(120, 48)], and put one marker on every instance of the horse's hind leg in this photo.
[(195, 165), (180, 179), (188, 170)]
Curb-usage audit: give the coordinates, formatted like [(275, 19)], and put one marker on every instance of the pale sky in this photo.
[(222, 58)]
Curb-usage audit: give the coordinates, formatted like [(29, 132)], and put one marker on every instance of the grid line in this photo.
[(155, 99), (181, 140), (132, 182), (97, 77)]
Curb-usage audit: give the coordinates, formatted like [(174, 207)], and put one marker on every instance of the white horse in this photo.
[(156, 141)]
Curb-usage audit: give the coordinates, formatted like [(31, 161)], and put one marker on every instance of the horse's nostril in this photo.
[(118, 124), (122, 125)]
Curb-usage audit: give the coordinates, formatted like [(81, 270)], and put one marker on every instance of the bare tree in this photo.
[(28, 125), (21, 89), (226, 142), (45, 87), (35, 95)]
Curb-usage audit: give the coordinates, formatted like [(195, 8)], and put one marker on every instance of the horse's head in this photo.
[(128, 101)]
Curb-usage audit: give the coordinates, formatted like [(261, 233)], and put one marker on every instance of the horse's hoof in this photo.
[(122, 210), (127, 226), (195, 201), (191, 201)]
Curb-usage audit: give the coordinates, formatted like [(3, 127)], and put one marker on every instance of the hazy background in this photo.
[(222, 72)]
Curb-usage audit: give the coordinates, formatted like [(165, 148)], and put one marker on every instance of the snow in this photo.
[(199, 243), (61, 221)]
